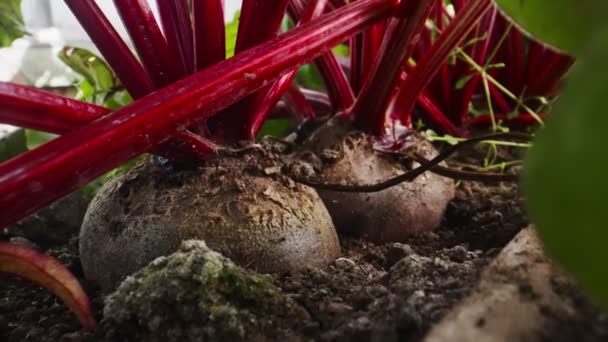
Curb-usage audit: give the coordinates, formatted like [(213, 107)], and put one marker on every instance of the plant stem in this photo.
[(428, 66), (149, 42), (112, 47), (378, 90), (35, 178), (209, 33)]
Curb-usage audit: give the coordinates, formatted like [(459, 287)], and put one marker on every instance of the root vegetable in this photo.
[(242, 207)]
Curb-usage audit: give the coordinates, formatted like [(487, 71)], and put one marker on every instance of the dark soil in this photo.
[(395, 291)]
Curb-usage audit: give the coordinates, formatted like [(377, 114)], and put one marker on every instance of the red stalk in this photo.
[(40, 176), (260, 21), (209, 33), (378, 90), (171, 30), (437, 117), (356, 60), (27, 107), (112, 47), (334, 77), (372, 40), (36, 109), (479, 55), (149, 42), (429, 64), (298, 104), (264, 104), (186, 35), (548, 78)]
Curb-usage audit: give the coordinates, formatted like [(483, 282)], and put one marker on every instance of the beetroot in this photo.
[(349, 157), (240, 206)]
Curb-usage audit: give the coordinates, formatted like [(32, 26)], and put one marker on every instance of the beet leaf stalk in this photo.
[(429, 64), (112, 47), (209, 33), (334, 78), (260, 21), (40, 176), (149, 42), (378, 89)]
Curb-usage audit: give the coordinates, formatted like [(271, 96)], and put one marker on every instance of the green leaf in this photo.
[(565, 178), (12, 144), (36, 138), (566, 24), (309, 77), (99, 84), (232, 29), (342, 50), (276, 127), (12, 26), (92, 68)]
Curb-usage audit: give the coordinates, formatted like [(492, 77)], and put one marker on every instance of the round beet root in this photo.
[(392, 214), (242, 207)]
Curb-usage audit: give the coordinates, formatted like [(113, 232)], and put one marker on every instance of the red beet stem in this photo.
[(209, 33), (112, 47), (34, 179), (149, 42)]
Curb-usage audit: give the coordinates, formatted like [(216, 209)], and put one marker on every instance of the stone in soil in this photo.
[(197, 294)]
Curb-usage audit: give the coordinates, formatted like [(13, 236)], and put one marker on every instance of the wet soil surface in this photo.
[(390, 292)]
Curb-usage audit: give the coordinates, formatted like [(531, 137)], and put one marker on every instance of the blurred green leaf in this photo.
[(309, 77), (12, 26), (565, 178), (342, 50), (566, 24), (12, 144), (231, 33), (276, 127), (99, 84), (37, 138)]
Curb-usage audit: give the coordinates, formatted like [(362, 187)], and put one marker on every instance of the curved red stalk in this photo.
[(27, 107), (171, 30), (149, 42), (112, 47), (42, 175), (334, 77), (209, 33), (428, 66), (50, 273), (35, 109), (298, 104), (555, 66), (536, 52), (379, 89), (498, 99), (437, 117)]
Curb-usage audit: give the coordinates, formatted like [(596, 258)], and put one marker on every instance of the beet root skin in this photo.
[(390, 215), (258, 218)]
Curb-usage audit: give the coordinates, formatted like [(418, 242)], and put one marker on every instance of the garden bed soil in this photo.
[(389, 292)]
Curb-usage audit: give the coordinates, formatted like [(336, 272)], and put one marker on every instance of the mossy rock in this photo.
[(196, 294)]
